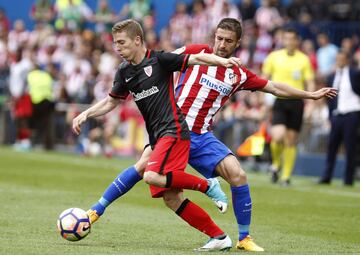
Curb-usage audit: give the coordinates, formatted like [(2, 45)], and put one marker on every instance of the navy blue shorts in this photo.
[(206, 151)]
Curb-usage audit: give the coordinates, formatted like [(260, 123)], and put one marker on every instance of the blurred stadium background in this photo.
[(71, 45)]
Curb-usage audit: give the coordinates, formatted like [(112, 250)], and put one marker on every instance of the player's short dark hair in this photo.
[(131, 27), (232, 25), (292, 31)]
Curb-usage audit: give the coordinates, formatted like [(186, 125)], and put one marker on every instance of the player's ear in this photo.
[(238, 43), (138, 40)]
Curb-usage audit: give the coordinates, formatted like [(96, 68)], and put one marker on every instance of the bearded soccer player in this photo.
[(148, 76), (200, 94)]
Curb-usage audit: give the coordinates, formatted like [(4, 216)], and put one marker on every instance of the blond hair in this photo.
[(131, 27)]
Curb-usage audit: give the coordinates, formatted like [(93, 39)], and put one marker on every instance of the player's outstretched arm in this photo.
[(213, 60), (100, 108), (283, 90)]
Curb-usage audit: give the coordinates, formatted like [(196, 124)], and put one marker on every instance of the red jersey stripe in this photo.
[(206, 106)]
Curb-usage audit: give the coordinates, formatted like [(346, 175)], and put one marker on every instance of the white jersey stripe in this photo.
[(205, 125), (188, 85)]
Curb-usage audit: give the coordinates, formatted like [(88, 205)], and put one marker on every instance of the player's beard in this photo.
[(223, 53)]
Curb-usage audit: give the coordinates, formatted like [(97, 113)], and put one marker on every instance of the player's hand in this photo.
[(76, 125), (324, 92), (230, 62)]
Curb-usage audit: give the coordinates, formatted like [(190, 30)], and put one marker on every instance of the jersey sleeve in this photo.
[(196, 48), (252, 81), (173, 62), (119, 89)]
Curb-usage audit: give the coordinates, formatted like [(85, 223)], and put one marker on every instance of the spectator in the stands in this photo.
[(72, 14), (18, 36), (180, 26), (43, 11), (326, 54), (22, 109), (267, 17), (136, 9), (220, 9), (247, 9), (296, 7), (200, 23), (347, 45), (4, 22), (308, 47), (104, 17)]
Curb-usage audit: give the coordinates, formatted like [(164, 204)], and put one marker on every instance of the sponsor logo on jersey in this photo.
[(145, 93), (148, 70), (215, 84)]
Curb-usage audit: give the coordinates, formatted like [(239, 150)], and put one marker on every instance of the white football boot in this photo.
[(216, 245)]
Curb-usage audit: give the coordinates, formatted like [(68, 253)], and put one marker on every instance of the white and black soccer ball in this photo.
[(73, 224)]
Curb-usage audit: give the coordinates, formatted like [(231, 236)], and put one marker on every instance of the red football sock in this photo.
[(182, 180), (23, 133), (198, 218)]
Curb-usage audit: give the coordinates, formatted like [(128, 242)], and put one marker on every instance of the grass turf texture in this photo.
[(36, 187)]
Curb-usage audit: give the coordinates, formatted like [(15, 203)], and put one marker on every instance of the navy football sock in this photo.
[(242, 208), (122, 184)]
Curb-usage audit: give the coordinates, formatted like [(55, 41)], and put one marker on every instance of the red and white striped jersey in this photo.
[(202, 90)]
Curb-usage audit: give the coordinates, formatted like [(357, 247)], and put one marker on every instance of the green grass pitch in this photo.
[(36, 187)]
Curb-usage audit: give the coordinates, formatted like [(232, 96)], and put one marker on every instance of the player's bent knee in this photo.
[(237, 178), (277, 138), (141, 164)]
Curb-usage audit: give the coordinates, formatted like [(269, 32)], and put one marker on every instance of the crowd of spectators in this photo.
[(71, 45)]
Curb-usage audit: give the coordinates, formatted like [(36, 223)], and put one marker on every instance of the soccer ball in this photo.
[(73, 224)]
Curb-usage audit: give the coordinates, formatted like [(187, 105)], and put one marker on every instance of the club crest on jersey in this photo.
[(148, 70), (233, 77)]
